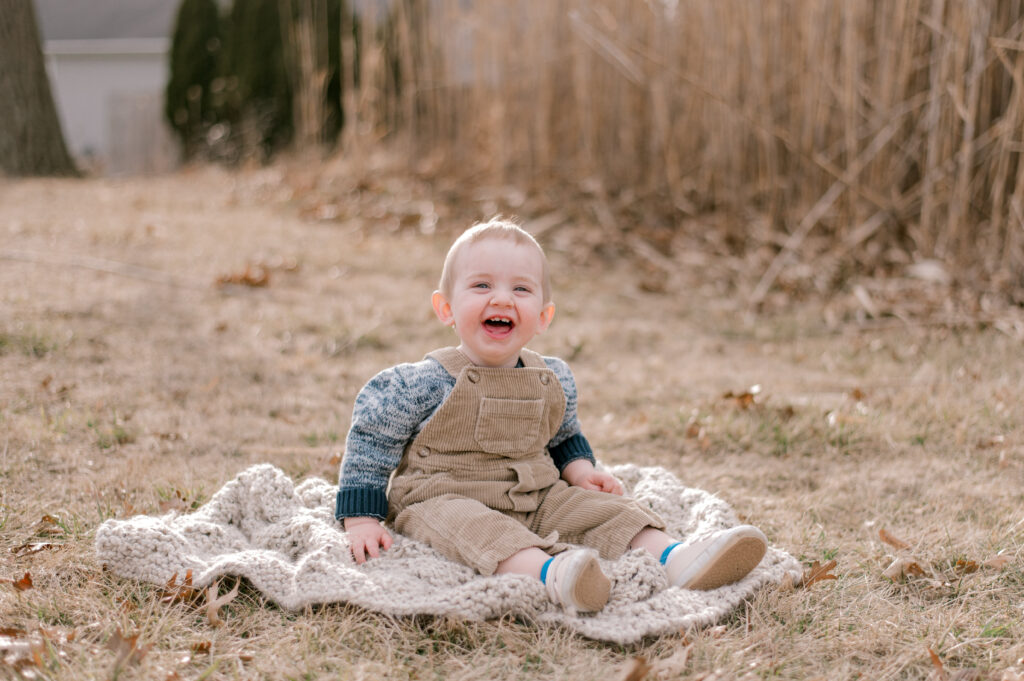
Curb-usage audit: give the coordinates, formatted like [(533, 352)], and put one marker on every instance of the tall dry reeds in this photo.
[(863, 129)]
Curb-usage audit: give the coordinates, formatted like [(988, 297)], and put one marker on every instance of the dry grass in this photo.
[(134, 392), (867, 134)]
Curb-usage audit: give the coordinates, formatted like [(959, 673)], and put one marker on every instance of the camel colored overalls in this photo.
[(478, 484)]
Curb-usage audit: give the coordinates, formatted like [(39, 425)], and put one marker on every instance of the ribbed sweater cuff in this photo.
[(576, 447), (361, 501)]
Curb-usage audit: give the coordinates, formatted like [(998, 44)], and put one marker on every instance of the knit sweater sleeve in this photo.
[(388, 412), (568, 444)]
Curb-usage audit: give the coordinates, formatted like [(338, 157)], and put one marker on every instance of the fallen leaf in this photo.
[(202, 646), (742, 400), (21, 652), (857, 395), (30, 548), (184, 592), (636, 669), (178, 502), (718, 631), (23, 584), (903, 567), (126, 648), (965, 567), (997, 562), (256, 276), (940, 673), (892, 541), (818, 573), (940, 669), (215, 602), (49, 525), (674, 665), (992, 441)]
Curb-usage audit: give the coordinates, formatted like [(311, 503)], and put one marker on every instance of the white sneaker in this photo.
[(575, 581), (723, 558)]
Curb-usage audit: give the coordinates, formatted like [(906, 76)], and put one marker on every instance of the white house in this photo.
[(108, 66)]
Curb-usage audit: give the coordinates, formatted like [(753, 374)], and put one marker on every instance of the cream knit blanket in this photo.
[(284, 539)]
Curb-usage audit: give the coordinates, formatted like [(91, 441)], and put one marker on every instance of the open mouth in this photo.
[(499, 325)]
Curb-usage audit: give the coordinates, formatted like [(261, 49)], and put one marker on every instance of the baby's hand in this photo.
[(367, 537), (600, 481), (581, 473)]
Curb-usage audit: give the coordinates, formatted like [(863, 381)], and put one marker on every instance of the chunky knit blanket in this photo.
[(284, 539)]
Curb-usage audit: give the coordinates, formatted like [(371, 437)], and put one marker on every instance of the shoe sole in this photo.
[(727, 563), (592, 588)]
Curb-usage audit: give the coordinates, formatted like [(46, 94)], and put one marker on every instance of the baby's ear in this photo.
[(546, 315), (442, 308)]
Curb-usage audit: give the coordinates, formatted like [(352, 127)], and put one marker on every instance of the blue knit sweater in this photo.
[(391, 410)]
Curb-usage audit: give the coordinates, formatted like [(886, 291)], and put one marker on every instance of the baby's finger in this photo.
[(371, 548), (357, 552), (385, 541)]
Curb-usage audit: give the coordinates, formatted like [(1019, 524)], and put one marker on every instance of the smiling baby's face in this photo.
[(496, 302)]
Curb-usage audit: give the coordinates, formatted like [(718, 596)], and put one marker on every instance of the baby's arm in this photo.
[(367, 536), (581, 473), (385, 414)]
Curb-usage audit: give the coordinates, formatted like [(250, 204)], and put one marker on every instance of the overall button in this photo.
[(544, 379), (423, 451), (473, 376)]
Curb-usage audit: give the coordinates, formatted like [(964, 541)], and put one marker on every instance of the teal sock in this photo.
[(668, 550), (544, 571)]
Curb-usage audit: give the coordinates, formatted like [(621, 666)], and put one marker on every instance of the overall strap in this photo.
[(452, 359)]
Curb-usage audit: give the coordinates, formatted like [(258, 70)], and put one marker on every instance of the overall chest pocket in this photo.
[(506, 426)]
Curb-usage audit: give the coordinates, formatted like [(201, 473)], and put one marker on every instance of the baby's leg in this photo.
[(652, 539), (467, 531), (528, 561), (606, 522)]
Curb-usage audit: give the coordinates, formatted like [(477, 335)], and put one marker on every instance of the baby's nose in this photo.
[(501, 297)]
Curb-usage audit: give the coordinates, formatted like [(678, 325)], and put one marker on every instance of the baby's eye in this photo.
[(481, 284), (525, 289)]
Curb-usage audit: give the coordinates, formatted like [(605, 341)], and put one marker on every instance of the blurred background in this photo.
[(809, 140)]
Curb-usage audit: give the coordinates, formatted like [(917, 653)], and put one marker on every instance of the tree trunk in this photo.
[(31, 141)]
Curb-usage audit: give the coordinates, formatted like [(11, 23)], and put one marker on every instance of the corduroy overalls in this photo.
[(478, 484)]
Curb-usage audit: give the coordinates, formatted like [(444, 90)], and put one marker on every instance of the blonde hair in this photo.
[(495, 228)]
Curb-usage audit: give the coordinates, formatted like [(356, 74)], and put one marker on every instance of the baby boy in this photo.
[(484, 453)]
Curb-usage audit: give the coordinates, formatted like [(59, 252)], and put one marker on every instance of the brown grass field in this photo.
[(131, 382)]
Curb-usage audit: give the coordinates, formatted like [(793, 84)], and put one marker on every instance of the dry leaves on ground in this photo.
[(941, 673), (23, 584), (255, 276), (126, 649), (184, 592), (818, 573), (215, 602), (905, 565), (26, 652)]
